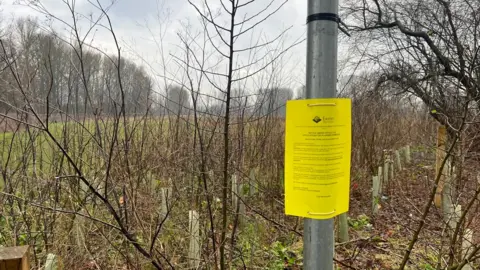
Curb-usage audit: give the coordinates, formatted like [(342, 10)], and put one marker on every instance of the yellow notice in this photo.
[(317, 157)]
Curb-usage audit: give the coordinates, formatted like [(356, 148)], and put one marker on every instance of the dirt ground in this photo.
[(379, 242)]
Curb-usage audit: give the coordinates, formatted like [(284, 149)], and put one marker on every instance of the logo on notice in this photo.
[(317, 119)]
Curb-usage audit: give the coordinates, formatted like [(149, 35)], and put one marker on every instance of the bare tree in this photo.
[(273, 101), (428, 50), (217, 58), (177, 100)]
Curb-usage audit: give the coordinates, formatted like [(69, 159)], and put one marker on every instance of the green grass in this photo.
[(78, 139), (19, 148)]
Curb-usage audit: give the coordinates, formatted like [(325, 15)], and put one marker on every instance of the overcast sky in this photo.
[(138, 25)]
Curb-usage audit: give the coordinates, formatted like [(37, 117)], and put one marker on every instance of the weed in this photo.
[(359, 223)]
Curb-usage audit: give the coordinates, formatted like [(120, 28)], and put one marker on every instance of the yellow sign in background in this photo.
[(317, 157)]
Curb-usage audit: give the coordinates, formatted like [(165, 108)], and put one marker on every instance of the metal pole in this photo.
[(318, 235)]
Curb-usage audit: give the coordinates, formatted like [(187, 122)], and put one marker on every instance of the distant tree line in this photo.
[(266, 101), (59, 82), (53, 76)]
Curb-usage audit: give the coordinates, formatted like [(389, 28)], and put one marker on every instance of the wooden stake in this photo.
[(440, 156), (14, 258)]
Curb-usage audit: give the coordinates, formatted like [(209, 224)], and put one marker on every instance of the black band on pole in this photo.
[(323, 17)]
